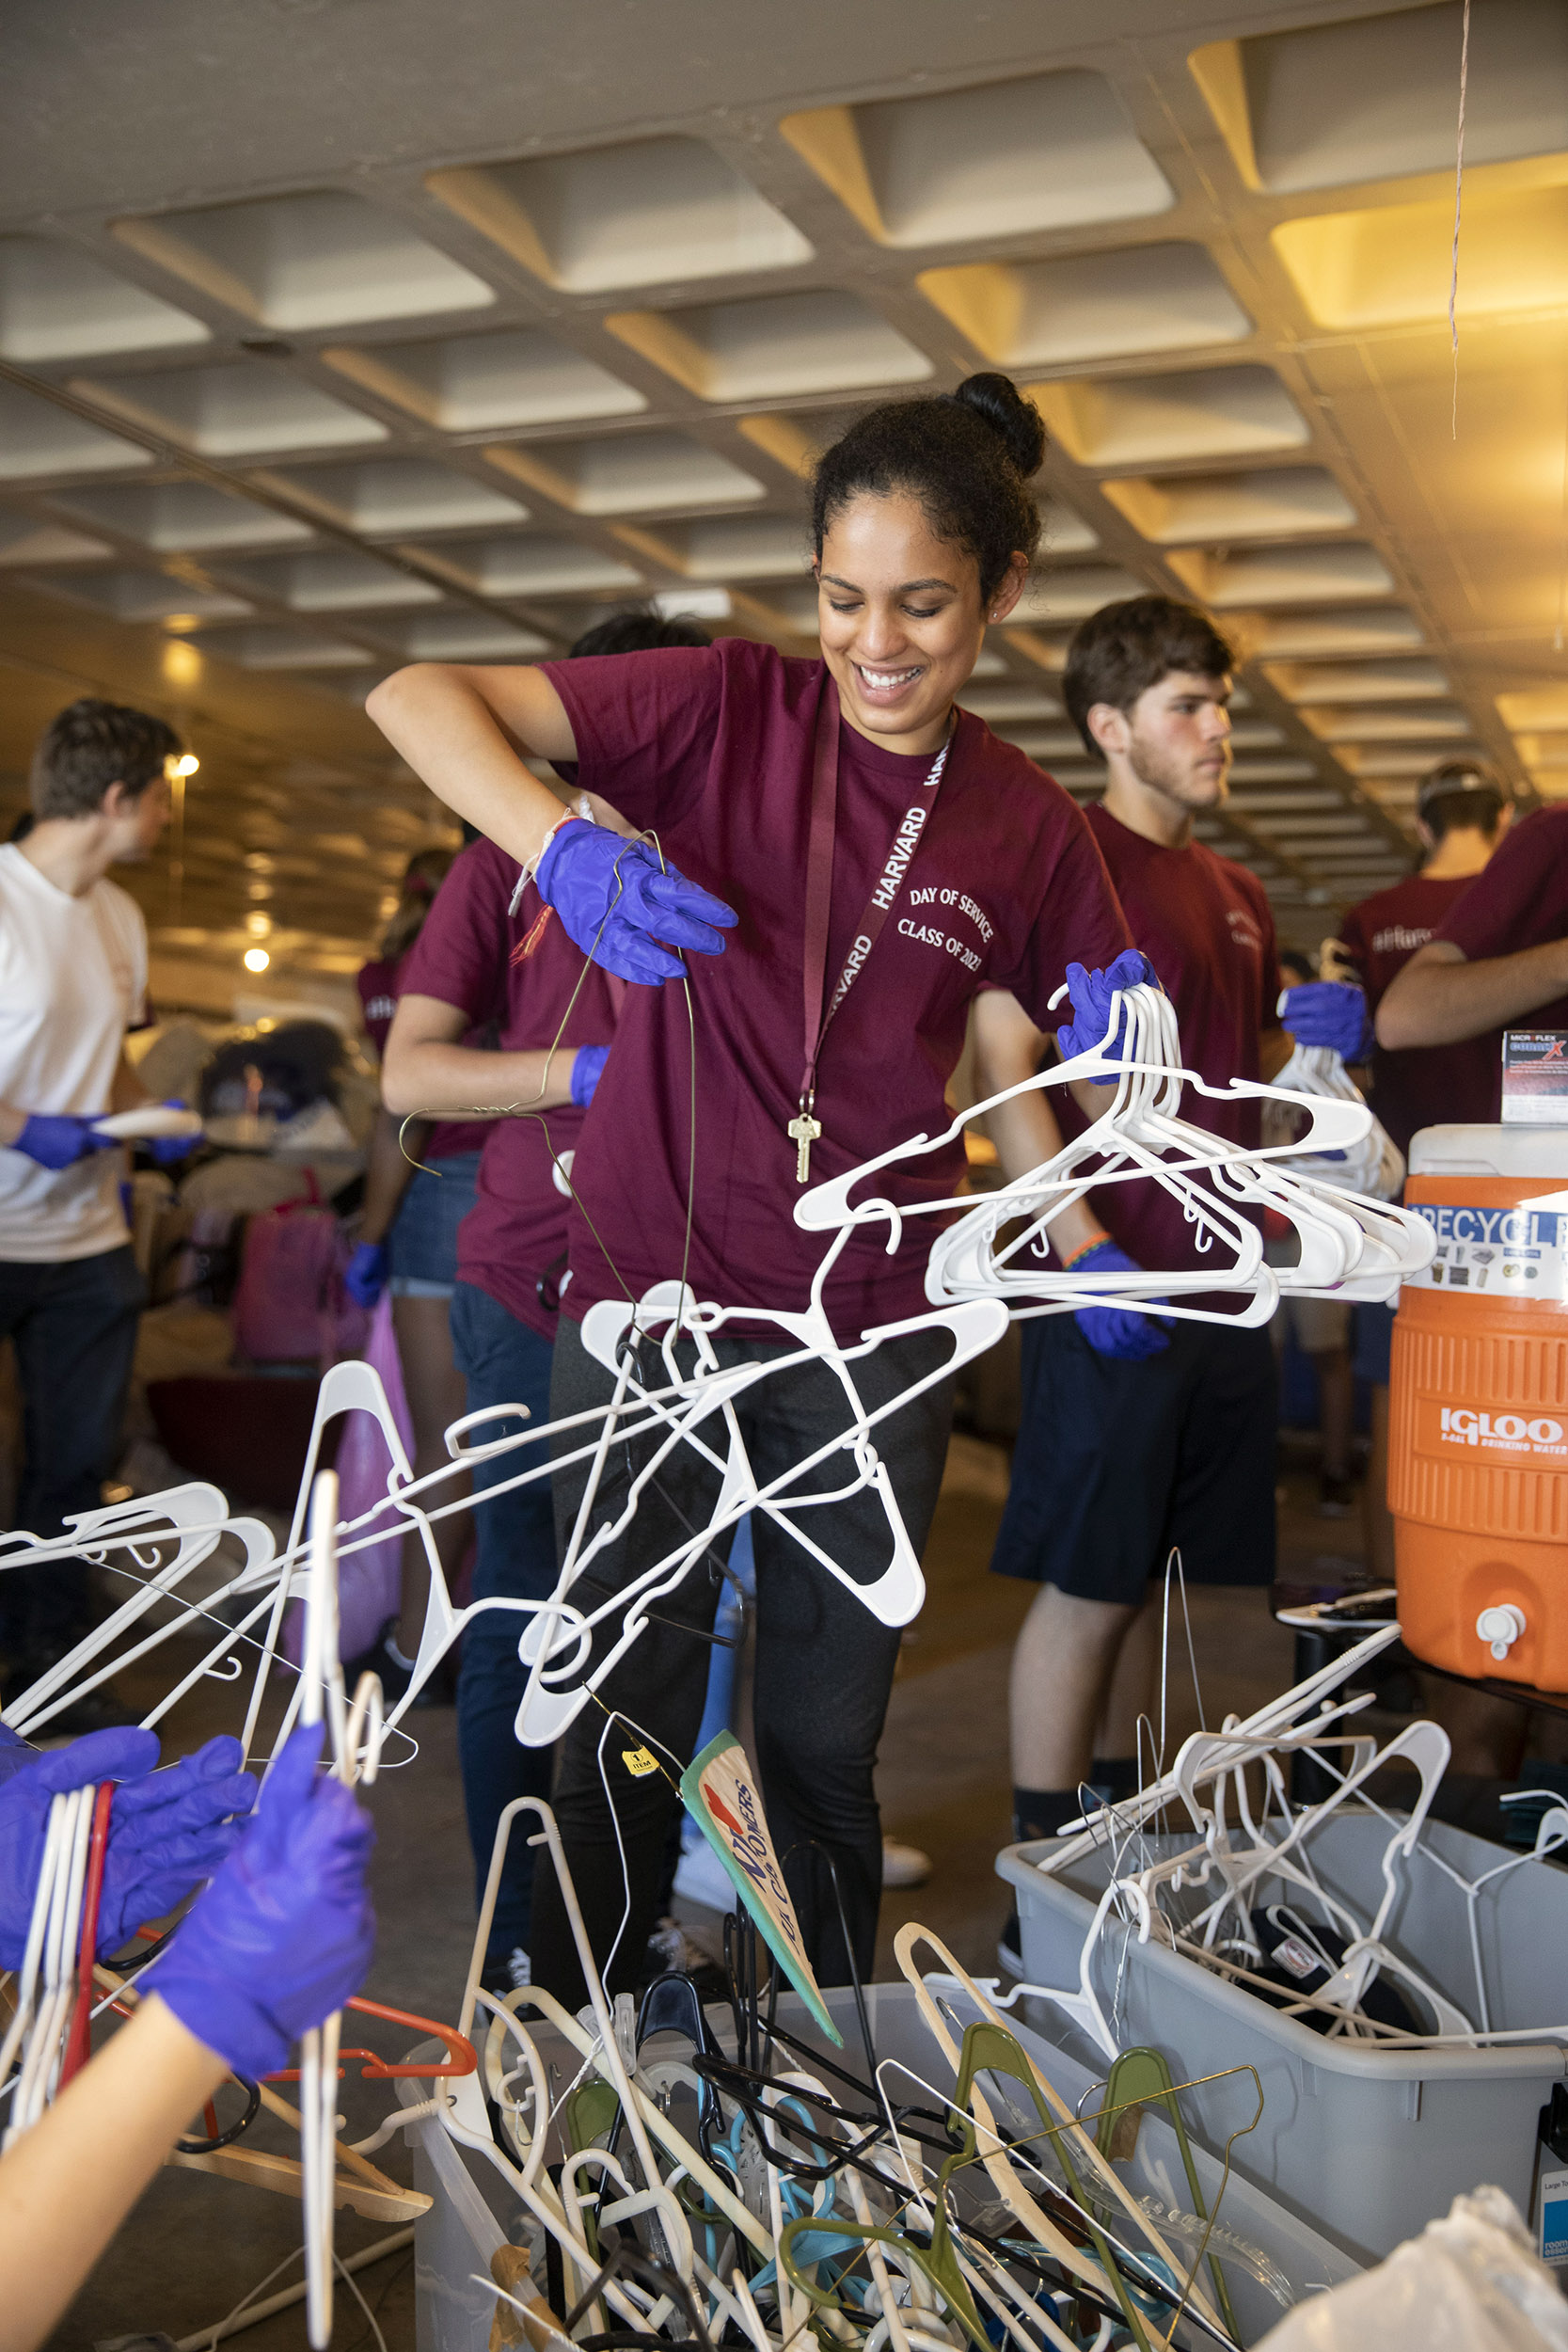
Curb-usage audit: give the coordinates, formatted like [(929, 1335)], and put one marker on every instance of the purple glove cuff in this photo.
[(587, 1069)]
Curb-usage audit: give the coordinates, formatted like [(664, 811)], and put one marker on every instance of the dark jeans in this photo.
[(824, 1664), (73, 1327), (503, 1363)]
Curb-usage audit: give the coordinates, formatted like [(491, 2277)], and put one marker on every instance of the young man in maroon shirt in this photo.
[(1498, 960), (1137, 1436), (1462, 814)]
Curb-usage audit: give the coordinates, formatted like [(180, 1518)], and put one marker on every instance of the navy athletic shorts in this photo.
[(1374, 1342), (1116, 1462)]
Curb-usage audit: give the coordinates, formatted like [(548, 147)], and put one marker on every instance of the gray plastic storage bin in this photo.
[(1368, 2144), (469, 2218)]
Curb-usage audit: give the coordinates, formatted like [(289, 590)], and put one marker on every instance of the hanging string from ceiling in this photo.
[(1457, 200)]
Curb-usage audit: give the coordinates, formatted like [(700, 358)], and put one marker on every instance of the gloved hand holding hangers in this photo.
[(618, 903), (55, 1140), (167, 1831), (286, 1931), (1115, 1330), (1091, 993), (1328, 1012)]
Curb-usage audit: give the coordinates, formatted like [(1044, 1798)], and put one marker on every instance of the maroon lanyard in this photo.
[(804, 1128)]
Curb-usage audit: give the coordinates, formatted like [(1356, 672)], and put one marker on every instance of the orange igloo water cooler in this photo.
[(1478, 1434)]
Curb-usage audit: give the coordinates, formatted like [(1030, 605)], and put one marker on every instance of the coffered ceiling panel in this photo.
[(385, 336)]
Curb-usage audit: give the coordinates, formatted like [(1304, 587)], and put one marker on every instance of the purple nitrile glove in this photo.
[(1329, 1012), (587, 1069), (166, 1150), (57, 1140), (285, 1931), (365, 1274), (14, 1753), (1091, 993), (26, 1798), (1112, 1329), (617, 902), (167, 1832)]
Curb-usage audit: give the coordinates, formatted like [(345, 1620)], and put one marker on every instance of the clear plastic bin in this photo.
[(474, 2205), (1366, 2142)]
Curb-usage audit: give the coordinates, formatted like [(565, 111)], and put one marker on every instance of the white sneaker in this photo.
[(904, 1866), (702, 1878)]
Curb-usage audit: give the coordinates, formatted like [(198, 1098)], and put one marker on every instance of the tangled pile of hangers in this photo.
[(705, 2199), (841, 2216), (1192, 1863)]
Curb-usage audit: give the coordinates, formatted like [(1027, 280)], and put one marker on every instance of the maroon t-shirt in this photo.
[(1423, 1086), (381, 984), (1519, 900), (469, 952), (715, 749), (1205, 927)]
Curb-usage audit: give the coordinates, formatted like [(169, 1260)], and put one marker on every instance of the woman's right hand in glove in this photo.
[(619, 904), (285, 1931)]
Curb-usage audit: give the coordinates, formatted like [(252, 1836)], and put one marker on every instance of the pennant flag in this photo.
[(723, 1799)]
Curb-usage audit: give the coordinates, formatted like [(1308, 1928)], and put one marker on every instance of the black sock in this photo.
[(1041, 1812), (1115, 1778)]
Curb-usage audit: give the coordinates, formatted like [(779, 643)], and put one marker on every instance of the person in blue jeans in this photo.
[(73, 981), (554, 1037)]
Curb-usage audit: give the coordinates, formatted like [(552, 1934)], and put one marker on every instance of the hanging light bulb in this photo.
[(256, 959)]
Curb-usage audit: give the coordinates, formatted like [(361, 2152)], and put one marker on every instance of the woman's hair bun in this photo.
[(1014, 419)]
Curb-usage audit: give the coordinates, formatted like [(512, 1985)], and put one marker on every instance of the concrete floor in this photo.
[(198, 2245)]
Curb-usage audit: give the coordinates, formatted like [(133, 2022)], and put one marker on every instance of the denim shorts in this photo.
[(424, 1239)]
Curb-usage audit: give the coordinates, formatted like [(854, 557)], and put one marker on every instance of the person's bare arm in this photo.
[(126, 1091), (1007, 1048), (425, 1068), (1440, 998), (466, 730), (67, 2184)]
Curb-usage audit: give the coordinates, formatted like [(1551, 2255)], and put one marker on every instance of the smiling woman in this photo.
[(813, 804)]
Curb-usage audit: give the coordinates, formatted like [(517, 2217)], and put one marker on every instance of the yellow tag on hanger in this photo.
[(639, 1763)]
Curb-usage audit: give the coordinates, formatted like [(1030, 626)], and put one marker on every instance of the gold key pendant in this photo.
[(803, 1131)]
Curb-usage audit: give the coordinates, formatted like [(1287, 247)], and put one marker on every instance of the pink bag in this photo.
[(291, 1306), (370, 1582)]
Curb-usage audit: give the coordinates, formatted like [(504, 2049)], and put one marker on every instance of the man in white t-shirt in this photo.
[(72, 980)]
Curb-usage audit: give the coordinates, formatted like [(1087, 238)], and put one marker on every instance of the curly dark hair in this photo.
[(1124, 649), (90, 745), (966, 455)]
